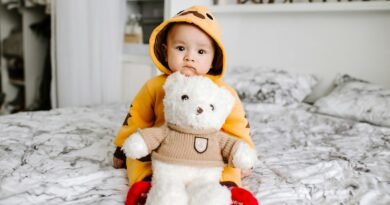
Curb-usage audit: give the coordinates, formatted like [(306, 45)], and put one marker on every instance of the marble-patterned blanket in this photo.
[(64, 156), (307, 158)]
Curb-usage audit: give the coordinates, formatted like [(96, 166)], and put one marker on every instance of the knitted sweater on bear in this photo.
[(178, 145)]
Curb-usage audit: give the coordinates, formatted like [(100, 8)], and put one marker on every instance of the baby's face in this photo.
[(189, 50)]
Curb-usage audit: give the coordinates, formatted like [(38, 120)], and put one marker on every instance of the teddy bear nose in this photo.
[(199, 110)]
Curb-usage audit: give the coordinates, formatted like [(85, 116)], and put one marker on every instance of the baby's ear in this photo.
[(174, 80)]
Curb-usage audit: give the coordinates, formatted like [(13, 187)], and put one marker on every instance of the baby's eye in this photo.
[(180, 48), (184, 97), (212, 107), (201, 51)]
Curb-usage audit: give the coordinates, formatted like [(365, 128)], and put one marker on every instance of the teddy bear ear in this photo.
[(227, 98), (173, 80)]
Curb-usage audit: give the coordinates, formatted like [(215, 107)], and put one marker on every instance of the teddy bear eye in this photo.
[(212, 107), (184, 97)]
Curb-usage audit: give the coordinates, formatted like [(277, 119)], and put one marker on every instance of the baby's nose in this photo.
[(199, 110), (189, 58)]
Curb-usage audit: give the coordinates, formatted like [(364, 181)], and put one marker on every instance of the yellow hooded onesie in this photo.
[(147, 107)]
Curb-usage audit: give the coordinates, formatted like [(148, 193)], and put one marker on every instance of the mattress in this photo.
[(308, 158), (64, 156)]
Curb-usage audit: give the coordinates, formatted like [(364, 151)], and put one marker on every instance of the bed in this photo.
[(311, 150), (63, 156), (308, 158), (306, 155)]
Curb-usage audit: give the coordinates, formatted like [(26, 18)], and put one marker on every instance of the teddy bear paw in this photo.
[(245, 157), (135, 147)]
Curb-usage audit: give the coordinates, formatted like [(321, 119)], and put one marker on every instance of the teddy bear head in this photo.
[(196, 102)]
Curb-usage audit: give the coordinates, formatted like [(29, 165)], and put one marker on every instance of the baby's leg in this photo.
[(208, 193), (231, 174), (137, 170)]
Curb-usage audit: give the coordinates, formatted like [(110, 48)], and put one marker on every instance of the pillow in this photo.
[(358, 100), (270, 86)]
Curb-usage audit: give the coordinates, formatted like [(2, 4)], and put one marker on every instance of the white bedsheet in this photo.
[(306, 158), (64, 157)]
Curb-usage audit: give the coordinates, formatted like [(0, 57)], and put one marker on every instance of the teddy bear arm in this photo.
[(237, 153), (143, 142), (245, 157), (135, 147), (153, 137), (228, 147)]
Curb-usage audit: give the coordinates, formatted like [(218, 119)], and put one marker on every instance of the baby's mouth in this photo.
[(189, 67)]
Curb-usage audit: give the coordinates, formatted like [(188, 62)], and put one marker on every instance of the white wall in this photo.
[(323, 43), (172, 7)]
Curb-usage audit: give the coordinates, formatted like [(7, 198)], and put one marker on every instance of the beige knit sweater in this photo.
[(178, 145)]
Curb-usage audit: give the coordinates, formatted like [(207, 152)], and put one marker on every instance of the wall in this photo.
[(172, 7), (323, 43), (323, 39)]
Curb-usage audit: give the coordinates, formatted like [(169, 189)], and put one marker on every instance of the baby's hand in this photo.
[(118, 163)]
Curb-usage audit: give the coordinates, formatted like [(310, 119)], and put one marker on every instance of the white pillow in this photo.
[(358, 100), (270, 86)]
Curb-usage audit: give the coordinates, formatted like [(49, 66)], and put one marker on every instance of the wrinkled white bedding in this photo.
[(308, 158), (64, 156)]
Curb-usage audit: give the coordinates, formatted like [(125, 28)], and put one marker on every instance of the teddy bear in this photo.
[(189, 151)]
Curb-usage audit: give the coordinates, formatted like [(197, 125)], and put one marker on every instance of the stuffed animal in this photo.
[(189, 151)]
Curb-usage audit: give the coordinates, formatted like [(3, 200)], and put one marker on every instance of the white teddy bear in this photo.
[(189, 152)]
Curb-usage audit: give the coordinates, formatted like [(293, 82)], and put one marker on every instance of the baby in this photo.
[(190, 43)]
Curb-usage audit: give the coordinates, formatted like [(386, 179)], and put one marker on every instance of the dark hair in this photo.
[(160, 51)]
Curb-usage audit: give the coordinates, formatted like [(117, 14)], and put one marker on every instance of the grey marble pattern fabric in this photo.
[(357, 99), (270, 86), (64, 156), (307, 158)]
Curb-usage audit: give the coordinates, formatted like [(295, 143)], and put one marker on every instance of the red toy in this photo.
[(139, 191)]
